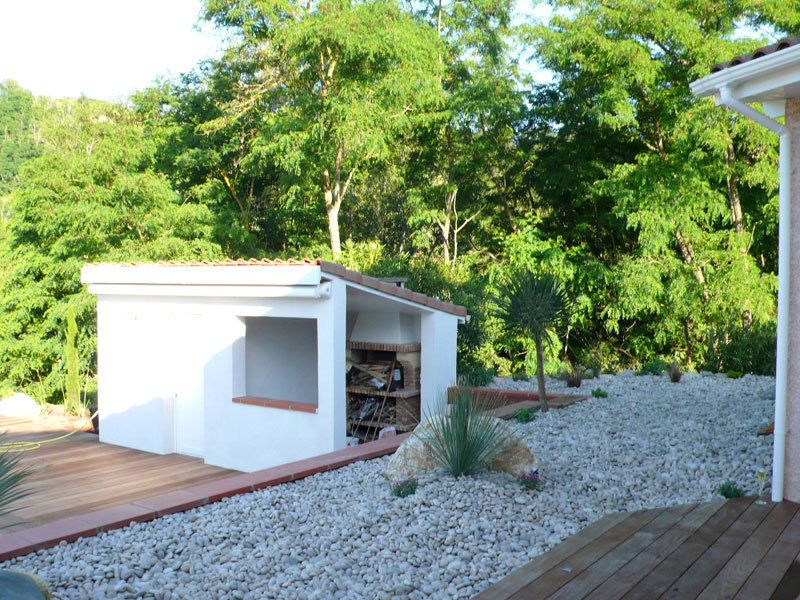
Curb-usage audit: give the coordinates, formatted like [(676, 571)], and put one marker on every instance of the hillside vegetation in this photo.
[(406, 139)]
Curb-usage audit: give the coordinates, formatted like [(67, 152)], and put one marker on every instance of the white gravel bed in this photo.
[(342, 534)]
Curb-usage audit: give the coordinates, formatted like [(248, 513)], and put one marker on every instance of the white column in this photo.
[(438, 360), (331, 358)]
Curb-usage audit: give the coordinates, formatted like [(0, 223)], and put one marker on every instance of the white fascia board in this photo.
[(391, 297), (765, 78), (174, 275), (314, 292)]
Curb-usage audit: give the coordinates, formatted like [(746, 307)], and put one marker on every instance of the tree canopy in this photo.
[(406, 139)]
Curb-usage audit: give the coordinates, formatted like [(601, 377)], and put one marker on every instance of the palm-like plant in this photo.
[(530, 305), (11, 477)]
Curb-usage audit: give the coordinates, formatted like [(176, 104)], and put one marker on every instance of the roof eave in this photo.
[(758, 80)]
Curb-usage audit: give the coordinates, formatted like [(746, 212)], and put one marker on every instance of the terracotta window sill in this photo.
[(273, 403)]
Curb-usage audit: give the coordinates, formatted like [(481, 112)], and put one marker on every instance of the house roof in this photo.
[(769, 75), (330, 268), (782, 44)]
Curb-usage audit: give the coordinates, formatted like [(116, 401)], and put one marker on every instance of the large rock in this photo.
[(19, 405), (15, 585), (413, 457), (517, 460)]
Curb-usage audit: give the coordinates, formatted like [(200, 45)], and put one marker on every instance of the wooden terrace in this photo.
[(78, 474), (735, 549)]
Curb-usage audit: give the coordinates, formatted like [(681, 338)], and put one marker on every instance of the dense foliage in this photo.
[(404, 139)]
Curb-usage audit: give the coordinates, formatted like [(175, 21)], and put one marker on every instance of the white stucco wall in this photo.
[(384, 327), (170, 366), (438, 356), (281, 358), (155, 353)]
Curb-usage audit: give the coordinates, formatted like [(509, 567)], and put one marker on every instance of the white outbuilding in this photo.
[(252, 364)]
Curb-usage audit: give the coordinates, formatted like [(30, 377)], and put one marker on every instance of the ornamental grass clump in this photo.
[(466, 437), (674, 372)]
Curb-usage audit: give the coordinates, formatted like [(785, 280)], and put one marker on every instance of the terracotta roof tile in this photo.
[(764, 51), (226, 262), (327, 267)]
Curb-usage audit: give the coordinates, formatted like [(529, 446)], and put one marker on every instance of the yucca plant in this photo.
[(530, 305), (11, 478), (466, 437)]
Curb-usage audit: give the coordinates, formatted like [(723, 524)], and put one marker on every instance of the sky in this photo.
[(102, 49), (107, 49)]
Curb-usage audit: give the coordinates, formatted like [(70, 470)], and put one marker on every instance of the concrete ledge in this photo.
[(273, 403), (51, 534)]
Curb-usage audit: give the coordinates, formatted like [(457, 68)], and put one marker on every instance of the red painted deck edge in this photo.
[(51, 534)]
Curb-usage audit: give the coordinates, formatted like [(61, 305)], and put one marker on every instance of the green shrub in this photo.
[(653, 367), (404, 488), (749, 350), (467, 437), (520, 376), (478, 376), (729, 489), (599, 393), (734, 374), (531, 480), (525, 415)]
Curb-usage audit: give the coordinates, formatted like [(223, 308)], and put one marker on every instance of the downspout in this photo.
[(726, 98)]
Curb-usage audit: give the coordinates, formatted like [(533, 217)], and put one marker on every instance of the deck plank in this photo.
[(605, 567), (549, 582), (765, 579), (78, 474), (700, 574), (733, 575), (633, 572), (789, 586), (717, 550), (673, 566), (528, 573)]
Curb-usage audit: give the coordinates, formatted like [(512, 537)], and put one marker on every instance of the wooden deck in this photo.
[(78, 474), (722, 549)]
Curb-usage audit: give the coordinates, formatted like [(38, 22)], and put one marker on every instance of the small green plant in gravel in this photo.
[(653, 367), (525, 415), (599, 393), (735, 374), (520, 376), (729, 489), (531, 481), (404, 488)]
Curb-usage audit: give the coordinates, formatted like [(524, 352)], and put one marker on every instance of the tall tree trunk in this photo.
[(688, 257), (334, 192), (445, 223), (332, 208), (540, 373), (732, 183)]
